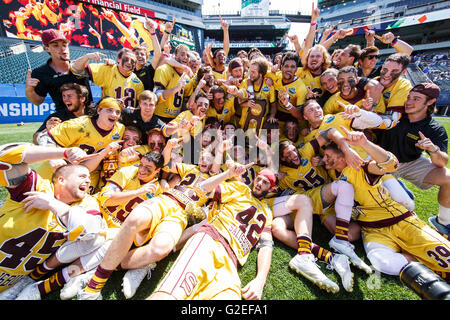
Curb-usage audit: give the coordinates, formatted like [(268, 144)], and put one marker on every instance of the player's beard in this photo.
[(260, 195)]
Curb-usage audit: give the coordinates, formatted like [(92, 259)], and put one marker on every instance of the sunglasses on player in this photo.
[(153, 144), (375, 56)]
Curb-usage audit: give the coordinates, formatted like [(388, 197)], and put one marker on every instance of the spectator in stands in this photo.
[(48, 78), (74, 97), (416, 132)]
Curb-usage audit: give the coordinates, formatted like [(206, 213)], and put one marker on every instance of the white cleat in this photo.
[(13, 292), (83, 295), (305, 264), (340, 264), (31, 292), (348, 249), (75, 284), (133, 278)]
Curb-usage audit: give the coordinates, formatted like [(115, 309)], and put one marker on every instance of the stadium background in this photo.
[(423, 24)]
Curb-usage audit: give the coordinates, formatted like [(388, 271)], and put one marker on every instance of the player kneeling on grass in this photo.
[(207, 266), (393, 236), (46, 218)]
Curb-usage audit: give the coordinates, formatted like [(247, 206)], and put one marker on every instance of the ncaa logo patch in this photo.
[(304, 162), (135, 80), (291, 91), (116, 136), (265, 89)]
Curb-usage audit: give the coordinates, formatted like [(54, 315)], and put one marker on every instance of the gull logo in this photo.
[(265, 89), (135, 80), (387, 94), (329, 119), (291, 91), (116, 136), (304, 162)]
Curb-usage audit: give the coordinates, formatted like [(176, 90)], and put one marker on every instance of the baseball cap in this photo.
[(429, 89), (270, 175), (51, 35)]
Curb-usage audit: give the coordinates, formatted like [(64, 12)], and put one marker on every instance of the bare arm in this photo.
[(30, 93), (254, 289)]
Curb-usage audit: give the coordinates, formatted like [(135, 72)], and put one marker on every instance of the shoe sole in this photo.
[(321, 285)]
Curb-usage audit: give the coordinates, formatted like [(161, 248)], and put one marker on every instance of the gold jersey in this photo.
[(332, 106), (12, 155), (296, 89), (373, 202), (83, 133), (395, 95), (228, 111), (29, 238), (184, 192), (239, 217), (306, 176), (167, 78), (336, 121), (124, 179), (187, 115), (115, 85), (310, 81)]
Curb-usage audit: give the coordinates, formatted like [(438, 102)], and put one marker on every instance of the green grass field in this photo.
[(282, 283)]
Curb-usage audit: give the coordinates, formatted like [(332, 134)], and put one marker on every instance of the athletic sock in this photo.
[(304, 244), (342, 229), (444, 215), (321, 253), (40, 271), (98, 280), (55, 282)]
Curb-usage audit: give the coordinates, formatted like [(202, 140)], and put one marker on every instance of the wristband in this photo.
[(152, 34), (65, 154), (437, 150), (313, 24), (394, 41)]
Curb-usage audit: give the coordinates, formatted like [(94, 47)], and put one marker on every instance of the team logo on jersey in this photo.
[(225, 111), (265, 89), (386, 95), (135, 80), (116, 136), (343, 178), (304, 162), (291, 90), (329, 119)]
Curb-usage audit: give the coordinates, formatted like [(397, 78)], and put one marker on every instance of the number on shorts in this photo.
[(441, 254)]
